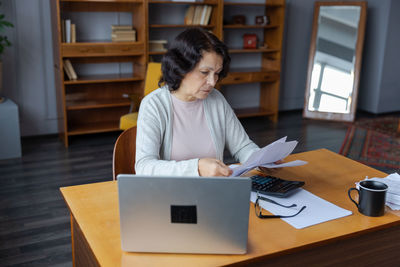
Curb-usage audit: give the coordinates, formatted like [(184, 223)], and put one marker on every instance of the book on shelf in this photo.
[(66, 70), (63, 30), (69, 70), (123, 36), (157, 45), (73, 33), (188, 20), (206, 14), (203, 15), (121, 27), (67, 30), (198, 15), (123, 33)]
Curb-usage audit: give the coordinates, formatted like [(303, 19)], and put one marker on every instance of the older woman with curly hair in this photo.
[(184, 126)]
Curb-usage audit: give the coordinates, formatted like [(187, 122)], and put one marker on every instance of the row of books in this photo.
[(158, 45), (123, 33), (68, 31), (198, 15), (69, 70)]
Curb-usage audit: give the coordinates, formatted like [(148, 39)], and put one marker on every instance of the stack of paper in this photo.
[(266, 156), (393, 193)]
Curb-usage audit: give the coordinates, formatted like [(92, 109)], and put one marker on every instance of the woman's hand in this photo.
[(269, 170), (213, 167)]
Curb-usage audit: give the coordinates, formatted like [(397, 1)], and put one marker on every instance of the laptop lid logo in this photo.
[(184, 214)]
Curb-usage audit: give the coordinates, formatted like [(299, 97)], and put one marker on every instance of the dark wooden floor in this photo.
[(34, 220)]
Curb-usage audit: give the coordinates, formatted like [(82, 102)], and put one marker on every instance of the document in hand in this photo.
[(266, 156)]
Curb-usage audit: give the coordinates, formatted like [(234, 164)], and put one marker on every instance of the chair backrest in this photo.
[(152, 77), (124, 153)]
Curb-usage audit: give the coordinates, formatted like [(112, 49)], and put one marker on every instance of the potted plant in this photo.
[(4, 42)]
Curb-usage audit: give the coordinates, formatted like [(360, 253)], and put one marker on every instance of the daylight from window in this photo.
[(332, 89)]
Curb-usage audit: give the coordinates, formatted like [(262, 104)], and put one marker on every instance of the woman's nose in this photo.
[(211, 80)]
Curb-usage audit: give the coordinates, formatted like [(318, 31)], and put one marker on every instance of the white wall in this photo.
[(390, 81), (298, 24), (373, 55), (28, 64)]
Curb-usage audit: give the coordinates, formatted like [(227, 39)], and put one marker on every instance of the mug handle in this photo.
[(349, 193)]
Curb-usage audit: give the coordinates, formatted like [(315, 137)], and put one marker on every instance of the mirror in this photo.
[(335, 60)]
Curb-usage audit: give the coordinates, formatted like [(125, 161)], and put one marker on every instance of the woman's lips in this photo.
[(206, 90)]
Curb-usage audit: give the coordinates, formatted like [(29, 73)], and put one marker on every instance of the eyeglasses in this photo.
[(259, 209)]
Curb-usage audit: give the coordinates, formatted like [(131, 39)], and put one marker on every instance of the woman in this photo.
[(184, 126)]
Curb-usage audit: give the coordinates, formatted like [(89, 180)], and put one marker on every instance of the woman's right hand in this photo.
[(213, 167)]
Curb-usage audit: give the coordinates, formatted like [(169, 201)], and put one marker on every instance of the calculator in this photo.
[(274, 186)]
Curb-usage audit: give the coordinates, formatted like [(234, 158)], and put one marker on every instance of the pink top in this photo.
[(191, 137)]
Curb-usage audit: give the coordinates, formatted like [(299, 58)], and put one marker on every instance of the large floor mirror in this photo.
[(335, 60)]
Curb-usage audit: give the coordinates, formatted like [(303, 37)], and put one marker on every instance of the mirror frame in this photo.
[(357, 64)]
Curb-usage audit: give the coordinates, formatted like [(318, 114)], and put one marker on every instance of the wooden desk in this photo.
[(355, 239)]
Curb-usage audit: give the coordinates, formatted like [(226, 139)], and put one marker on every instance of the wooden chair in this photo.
[(124, 153), (153, 74)]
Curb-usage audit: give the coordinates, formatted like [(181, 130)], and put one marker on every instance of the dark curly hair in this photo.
[(186, 51)]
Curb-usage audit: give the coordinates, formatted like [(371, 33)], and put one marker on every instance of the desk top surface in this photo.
[(327, 175)]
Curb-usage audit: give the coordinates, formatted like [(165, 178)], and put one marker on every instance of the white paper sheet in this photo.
[(317, 211), (285, 164), (393, 206), (269, 154)]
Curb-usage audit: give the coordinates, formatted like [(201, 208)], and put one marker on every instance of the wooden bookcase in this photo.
[(94, 102), (162, 26), (268, 68)]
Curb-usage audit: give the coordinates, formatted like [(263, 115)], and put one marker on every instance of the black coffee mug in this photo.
[(371, 198)]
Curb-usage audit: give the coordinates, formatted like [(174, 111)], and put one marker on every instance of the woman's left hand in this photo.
[(271, 170), (213, 167)]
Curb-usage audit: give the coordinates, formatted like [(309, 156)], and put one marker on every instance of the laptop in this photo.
[(170, 214)]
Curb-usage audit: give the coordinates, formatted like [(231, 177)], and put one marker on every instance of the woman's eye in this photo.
[(204, 72)]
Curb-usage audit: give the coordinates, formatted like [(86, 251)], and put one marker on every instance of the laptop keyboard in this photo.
[(274, 186)]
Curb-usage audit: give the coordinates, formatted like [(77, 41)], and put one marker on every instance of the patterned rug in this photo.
[(372, 147), (386, 125)]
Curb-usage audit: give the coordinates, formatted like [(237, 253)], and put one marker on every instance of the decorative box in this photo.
[(250, 41)]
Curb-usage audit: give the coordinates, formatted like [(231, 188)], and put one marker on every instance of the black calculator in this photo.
[(274, 186)]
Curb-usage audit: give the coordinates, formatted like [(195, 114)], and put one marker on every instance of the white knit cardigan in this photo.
[(154, 134)]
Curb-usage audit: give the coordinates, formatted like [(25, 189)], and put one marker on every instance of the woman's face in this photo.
[(198, 83)]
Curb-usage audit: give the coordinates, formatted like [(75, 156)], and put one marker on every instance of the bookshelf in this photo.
[(163, 27), (265, 72), (106, 70), (266, 67)]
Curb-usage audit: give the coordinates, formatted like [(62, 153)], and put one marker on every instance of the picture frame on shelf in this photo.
[(262, 20)]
